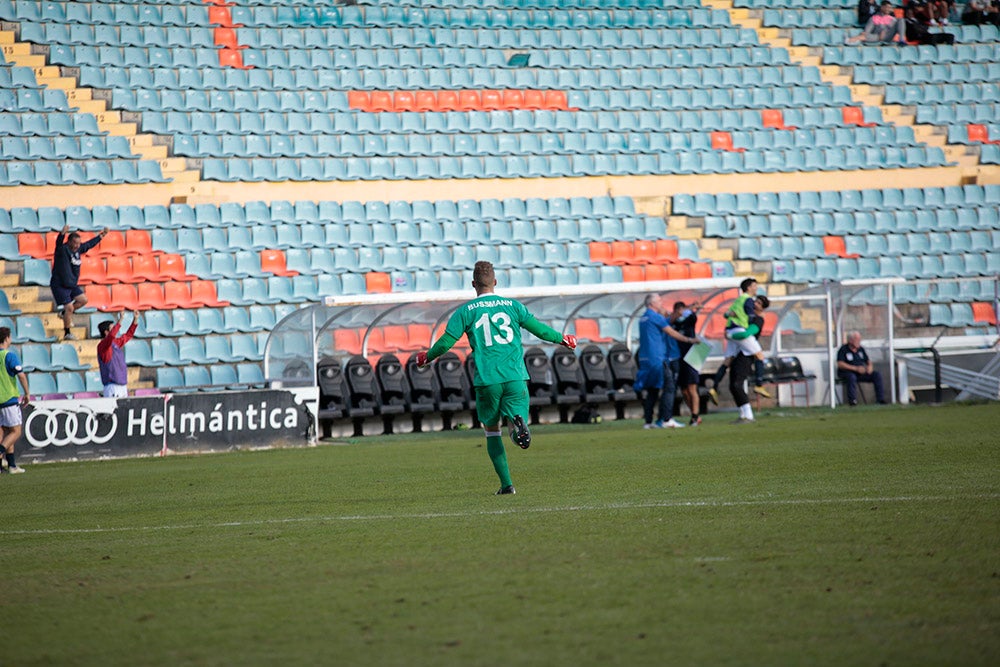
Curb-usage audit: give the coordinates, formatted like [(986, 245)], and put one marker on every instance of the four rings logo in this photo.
[(57, 427)]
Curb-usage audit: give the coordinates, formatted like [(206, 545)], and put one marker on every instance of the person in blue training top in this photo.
[(11, 401), (65, 281), (854, 366), (658, 361)]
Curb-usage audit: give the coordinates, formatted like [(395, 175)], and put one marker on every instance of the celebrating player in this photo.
[(493, 326)]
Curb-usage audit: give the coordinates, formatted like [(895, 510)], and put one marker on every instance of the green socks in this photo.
[(494, 447)]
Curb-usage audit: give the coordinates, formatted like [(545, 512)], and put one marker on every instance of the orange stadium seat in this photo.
[(492, 100), (656, 272), (836, 246), (151, 296), (92, 270), (218, 15), (984, 313), (587, 329), (145, 267), (643, 252), (404, 100), (33, 245), (120, 270), (359, 100), (98, 296), (666, 250), (855, 116), (600, 251), (378, 282), (347, 340), (381, 100), (469, 100), (425, 100), (226, 38), (533, 100), (172, 268), (395, 337), (419, 336), (555, 100), (448, 100), (273, 261), (512, 99), (774, 119), (723, 141), (678, 271), (633, 274), (138, 242), (699, 270), (232, 58), (124, 297), (622, 252), (112, 244), (203, 293), (980, 134)]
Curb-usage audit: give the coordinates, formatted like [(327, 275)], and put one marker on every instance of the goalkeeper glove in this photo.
[(422, 359), (569, 340)]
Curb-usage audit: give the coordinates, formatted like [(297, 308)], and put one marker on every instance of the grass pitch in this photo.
[(861, 537)]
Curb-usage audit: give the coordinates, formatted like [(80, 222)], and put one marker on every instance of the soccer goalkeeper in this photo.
[(493, 325)]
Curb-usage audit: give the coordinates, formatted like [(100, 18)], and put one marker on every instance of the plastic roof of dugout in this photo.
[(402, 323)]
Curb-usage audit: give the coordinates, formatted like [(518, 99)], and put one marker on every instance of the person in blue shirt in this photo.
[(658, 363), (11, 401)]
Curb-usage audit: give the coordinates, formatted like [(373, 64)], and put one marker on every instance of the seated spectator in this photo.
[(918, 30), (930, 12), (883, 27), (979, 12), (854, 366), (866, 10)]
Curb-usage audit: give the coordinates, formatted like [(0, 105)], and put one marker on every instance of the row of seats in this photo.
[(270, 13), (825, 17), (462, 78), (906, 266), (919, 74), (83, 147), (794, 4), (974, 133), (963, 315), (50, 124), (831, 201), (524, 38), (542, 166), (133, 219), (946, 291), (853, 222), (89, 172), (202, 321), (418, 58), (873, 245), (432, 145), (22, 100), (270, 37), (73, 384), (925, 54), (964, 34), (321, 123), (947, 114), (946, 93), (150, 99)]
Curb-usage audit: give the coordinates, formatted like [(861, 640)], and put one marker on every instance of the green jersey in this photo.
[(493, 325), (737, 315)]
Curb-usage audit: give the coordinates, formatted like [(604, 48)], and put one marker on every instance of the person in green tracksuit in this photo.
[(493, 326)]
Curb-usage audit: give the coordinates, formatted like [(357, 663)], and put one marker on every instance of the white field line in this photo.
[(764, 502)]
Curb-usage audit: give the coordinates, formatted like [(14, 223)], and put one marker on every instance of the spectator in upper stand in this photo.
[(866, 10), (882, 27), (979, 12), (930, 12), (918, 29)]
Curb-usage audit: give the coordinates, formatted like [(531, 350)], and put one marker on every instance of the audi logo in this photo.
[(64, 427)]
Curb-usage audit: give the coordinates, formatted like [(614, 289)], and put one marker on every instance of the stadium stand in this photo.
[(219, 124)]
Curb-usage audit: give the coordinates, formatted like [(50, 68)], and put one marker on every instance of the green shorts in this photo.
[(507, 399)]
